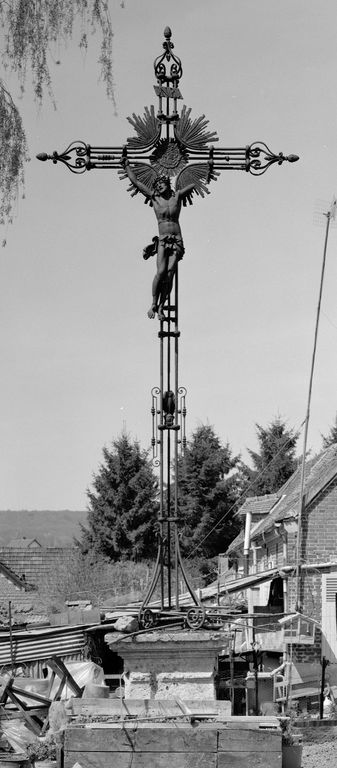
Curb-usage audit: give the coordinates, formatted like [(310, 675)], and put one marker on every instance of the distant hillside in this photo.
[(51, 529)]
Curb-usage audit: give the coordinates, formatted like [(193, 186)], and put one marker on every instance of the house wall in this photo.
[(268, 555), (318, 589), (319, 528), (308, 653), (329, 608), (318, 545)]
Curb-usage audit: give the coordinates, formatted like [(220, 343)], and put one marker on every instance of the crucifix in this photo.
[(168, 146)]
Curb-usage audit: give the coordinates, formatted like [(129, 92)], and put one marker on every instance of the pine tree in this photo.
[(275, 461), (206, 495), (123, 505), (331, 438)]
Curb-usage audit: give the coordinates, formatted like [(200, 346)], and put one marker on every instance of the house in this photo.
[(284, 577), (24, 542), (16, 600), (24, 571), (37, 565), (12, 588)]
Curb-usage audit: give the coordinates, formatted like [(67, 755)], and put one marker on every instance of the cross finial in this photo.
[(172, 71)]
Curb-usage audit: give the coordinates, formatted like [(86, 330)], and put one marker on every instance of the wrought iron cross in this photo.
[(169, 143)]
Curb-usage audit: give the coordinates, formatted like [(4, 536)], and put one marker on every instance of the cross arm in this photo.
[(254, 158)]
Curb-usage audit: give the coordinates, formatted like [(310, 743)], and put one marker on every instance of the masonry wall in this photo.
[(318, 545), (319, 528)]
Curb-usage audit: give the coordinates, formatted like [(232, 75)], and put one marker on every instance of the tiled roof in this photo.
[(24, 542), (9, 575), (36, 564), (319, 472), (10, 589), (13, 591), (258, 505), (236, 543)]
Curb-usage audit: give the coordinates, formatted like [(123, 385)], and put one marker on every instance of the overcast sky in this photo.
[(79, 354)]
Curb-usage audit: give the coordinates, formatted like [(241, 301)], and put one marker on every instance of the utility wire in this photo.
[(246, 491), (330, 214)]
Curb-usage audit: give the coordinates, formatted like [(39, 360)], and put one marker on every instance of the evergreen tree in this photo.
[(275, 461), (123, 505), (331, 438), (206, 495)]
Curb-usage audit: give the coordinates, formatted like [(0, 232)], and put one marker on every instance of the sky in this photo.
[(79, 355)]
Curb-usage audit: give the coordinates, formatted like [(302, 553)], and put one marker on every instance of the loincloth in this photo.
[(171, 243)]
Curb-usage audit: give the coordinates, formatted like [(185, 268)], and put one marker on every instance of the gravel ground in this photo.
[(319, 747)]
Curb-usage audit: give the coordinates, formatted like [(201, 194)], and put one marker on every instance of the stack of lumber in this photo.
[(158, 734)]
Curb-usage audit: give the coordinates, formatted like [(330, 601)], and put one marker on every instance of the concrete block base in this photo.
[(166, 665)]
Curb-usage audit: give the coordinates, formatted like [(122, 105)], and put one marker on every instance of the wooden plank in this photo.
[(103, 708), (147, 707), (197, 711), (167, 708), (146, 737), (24, 694), (251, 721), (56, 665), (91, 740), (22, 707), (143, 760), (300, 693), (269, 724), (238, 740), (249, 760), (112, 705)]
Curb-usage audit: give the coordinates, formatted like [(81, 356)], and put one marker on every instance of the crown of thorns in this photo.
[(161, 178)]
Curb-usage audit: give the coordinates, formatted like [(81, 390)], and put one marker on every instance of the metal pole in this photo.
[(325, 663), (161, 470), (11, 635), (231, 673), (302, 494), (256, 675), (176, 386), (168, 458), (168, 518)]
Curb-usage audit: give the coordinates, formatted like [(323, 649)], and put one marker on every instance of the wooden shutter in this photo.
[(329, 624)]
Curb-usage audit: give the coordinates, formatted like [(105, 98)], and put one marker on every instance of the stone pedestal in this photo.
[(166, 665)]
